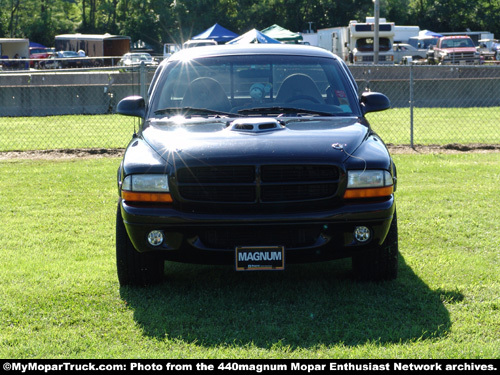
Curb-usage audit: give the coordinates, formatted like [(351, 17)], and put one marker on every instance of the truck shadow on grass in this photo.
[(305, 306)]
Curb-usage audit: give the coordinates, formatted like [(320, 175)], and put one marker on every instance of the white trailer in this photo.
[(310, 39), (354, 43), (336, 40), (402, 34), (13, 53)]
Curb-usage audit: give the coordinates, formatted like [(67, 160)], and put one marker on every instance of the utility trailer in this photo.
[(109, 48), (14, 53)]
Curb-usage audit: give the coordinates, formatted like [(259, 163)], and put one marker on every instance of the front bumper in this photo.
[(212, 238), (460, 60)]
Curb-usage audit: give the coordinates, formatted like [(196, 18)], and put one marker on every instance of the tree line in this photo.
[(159, 21)]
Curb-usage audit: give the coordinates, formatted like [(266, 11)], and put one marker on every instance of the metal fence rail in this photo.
[(76, 108), (436, 104)]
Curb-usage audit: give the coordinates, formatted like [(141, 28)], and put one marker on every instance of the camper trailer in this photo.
[(355, 43)]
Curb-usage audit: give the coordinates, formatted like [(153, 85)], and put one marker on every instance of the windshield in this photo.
[(254, 84), (457, 43), (366, 44), (426, 43), (423, 43), (69, 54)]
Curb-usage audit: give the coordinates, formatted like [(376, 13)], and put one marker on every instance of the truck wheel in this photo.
[(380, 263), (134, 268)]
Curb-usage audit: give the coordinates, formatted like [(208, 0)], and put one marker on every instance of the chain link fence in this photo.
[(71, 109), (435, 104)]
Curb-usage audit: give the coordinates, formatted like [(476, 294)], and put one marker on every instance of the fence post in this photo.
[(142, 80), (411, 106)]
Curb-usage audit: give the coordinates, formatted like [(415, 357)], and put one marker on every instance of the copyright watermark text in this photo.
[(65, 366)]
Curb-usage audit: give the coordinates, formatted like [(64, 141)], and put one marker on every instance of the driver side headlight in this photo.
[(368, 184), (146, 188)]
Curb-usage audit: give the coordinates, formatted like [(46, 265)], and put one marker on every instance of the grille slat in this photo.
[(289, 193), (299, 173), (258, 184), (243, 194), (222, 174)]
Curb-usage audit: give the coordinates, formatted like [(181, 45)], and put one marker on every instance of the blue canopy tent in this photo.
[(217, 33), (37, 45), (253, 36)]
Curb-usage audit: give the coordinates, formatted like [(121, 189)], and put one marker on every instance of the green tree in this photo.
[(456, 15), (55, 17), (2, 20), (14, 9), (397, 11), (139, 19), (160, 21)]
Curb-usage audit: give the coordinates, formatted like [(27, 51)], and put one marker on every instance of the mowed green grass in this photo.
[(438, 126), (60, 298), (66, 132), (430, 126)]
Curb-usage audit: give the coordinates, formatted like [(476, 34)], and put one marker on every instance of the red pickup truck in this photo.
[(454, 50)]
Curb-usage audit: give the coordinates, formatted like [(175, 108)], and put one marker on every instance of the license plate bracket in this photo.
[(260, 258)]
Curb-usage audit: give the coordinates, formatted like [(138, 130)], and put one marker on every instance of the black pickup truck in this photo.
[(255, 156)]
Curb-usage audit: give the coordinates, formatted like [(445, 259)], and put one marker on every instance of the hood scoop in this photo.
[(256, 125)]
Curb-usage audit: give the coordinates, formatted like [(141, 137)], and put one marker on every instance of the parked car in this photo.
[(255, 156), (199, 43), (66, 59), (489, 49), (136, 59), (403, 50), (37, 54)]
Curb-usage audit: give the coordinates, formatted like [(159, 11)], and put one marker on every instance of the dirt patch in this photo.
[(452, 148), (63, 154)]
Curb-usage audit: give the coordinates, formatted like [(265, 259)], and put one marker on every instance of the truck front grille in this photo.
[(257, 184), (462, 56)]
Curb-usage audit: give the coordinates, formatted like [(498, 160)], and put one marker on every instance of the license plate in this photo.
[(259, 258)]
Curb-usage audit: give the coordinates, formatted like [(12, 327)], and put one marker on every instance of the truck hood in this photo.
[(245, 140)]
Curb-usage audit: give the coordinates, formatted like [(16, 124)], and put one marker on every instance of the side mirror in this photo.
[(132, 106), (374, 101)]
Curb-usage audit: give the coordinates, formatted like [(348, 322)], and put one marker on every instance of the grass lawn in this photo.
[(66, 132), (430, 126), (438, 125), (60, 298)]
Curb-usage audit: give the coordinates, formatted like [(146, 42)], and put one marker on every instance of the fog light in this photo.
[(362, 234), (155, 237)]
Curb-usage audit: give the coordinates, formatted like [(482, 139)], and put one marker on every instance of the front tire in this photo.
[(380, 263), (134, 268)]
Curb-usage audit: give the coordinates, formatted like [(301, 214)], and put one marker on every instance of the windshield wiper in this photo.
[(283, 110), (183, 111)]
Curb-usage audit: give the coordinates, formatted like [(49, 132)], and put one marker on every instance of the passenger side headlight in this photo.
[(146, 182), (368, 184), (146, 188)]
